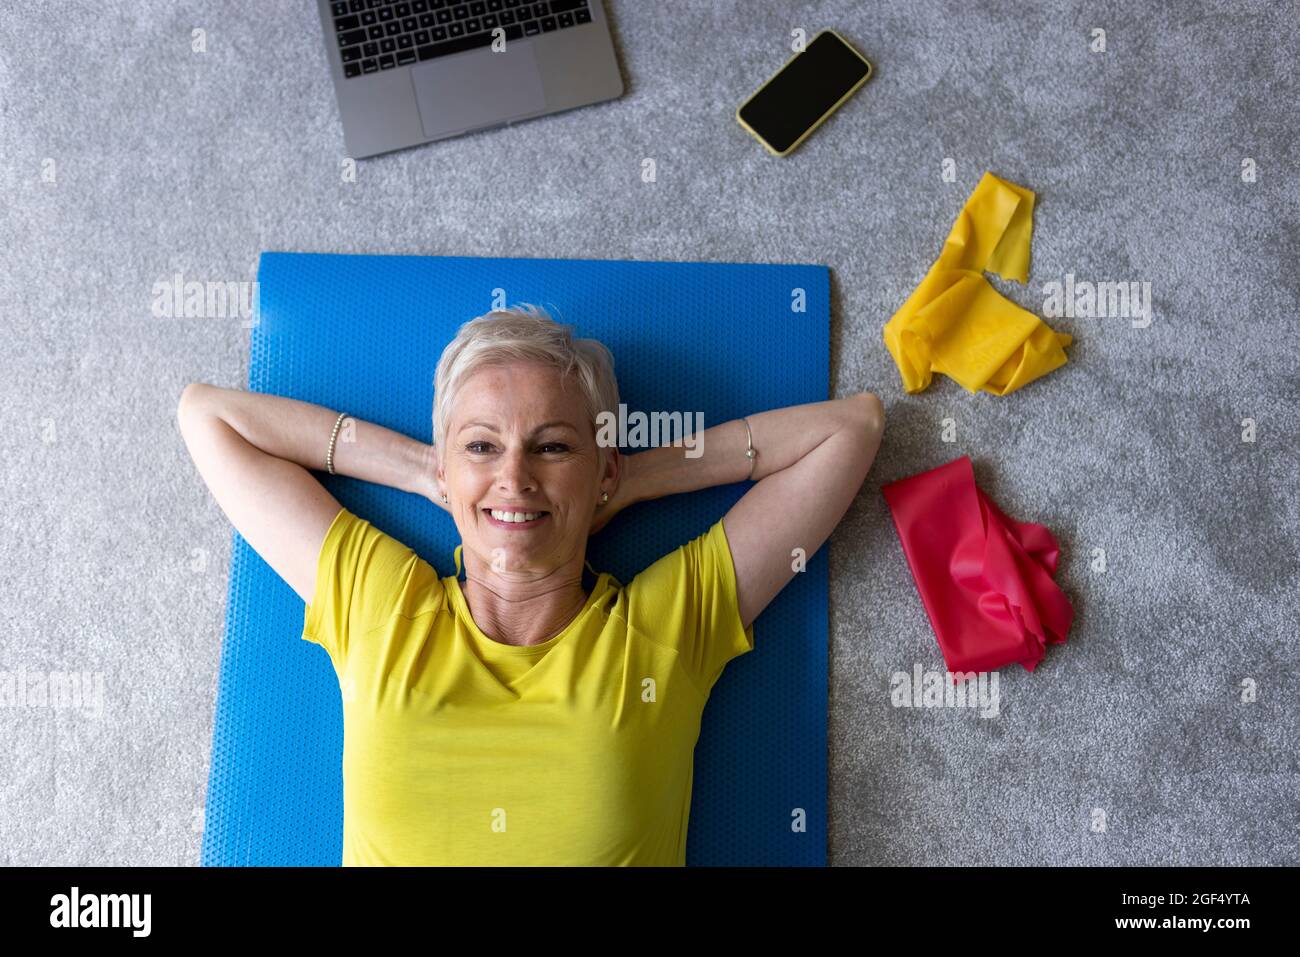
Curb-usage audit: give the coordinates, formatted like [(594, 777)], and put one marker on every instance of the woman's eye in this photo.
[(483, 447)]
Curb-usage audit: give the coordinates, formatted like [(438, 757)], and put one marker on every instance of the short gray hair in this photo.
[(523, 332)]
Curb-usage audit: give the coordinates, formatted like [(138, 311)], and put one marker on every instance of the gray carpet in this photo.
[(1135, 742)]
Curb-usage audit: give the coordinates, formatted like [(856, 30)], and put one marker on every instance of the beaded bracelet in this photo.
[(329, 455)]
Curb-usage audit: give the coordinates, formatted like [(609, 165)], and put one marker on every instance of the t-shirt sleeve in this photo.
[(688, 598), (362, 577)]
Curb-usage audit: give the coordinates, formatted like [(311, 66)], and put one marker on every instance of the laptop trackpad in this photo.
[(478, 89)]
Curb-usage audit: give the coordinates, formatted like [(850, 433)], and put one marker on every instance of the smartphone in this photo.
[(809, 88)]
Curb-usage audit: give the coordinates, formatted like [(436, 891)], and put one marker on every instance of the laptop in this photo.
[(413, 71)]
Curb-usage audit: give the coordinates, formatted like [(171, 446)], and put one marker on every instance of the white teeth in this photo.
[(515, 516)]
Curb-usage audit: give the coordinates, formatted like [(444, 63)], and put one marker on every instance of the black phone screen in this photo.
[(808, 86)]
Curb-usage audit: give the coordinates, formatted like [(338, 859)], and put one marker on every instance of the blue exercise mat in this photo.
[(363, 334)]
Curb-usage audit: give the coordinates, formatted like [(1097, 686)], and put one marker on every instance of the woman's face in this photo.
[(519, 440)]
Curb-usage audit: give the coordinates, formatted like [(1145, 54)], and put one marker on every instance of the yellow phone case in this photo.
[(821, 119)]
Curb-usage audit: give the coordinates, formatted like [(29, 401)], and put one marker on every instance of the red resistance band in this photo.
[(986, 580)]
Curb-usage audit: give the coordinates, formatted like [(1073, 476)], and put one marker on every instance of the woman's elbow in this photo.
[(868, 419), (190, 399), (866, 425)]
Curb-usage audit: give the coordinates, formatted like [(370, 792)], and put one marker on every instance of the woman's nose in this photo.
[(515, 472)]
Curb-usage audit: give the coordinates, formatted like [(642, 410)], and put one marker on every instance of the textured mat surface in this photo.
[(363, 334)]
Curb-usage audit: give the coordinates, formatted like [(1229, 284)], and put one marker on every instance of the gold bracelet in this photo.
[(749, 453), (329, 455)]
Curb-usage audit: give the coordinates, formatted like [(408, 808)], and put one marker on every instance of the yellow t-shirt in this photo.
[(462, 750)]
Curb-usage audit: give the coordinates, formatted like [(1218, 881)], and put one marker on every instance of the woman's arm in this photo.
[(300, 433), (812, 460), (254, 452)]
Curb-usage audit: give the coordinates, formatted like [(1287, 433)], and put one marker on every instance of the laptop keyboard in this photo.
[(379, 35)]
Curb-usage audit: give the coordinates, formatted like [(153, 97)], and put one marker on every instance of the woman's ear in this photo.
[(613, 470), (439, 483)]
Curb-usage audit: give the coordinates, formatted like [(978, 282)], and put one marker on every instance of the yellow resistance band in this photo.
[(956, 323)]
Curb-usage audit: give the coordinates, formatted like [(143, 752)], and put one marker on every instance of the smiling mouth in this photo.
[(515, 520)]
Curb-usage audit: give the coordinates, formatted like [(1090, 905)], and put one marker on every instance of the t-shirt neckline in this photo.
[(493, 646)]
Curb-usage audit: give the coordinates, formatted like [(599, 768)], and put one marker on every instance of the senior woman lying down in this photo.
[(528, 714)]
